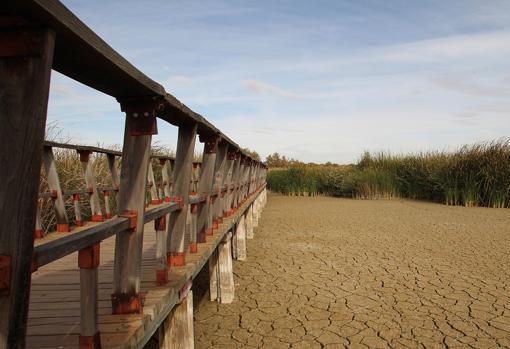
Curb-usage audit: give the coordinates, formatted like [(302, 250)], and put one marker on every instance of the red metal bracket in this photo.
[(63, 228), (193, 247), (161, 276), (5, 275), (123, 303), (133, 218), (194, 208), (54, 194), (88, 258), (90, 342), (210, 143), (179, 200), (176, 259), (142, 115)]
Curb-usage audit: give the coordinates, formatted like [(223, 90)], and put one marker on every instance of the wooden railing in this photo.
[(187, 204)]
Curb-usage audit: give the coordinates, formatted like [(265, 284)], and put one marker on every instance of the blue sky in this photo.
[(313, 80)]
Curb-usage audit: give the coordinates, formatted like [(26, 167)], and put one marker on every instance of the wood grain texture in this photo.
[(181, 181), (133, 181), (24, 86)]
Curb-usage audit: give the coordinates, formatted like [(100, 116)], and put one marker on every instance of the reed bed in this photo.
[(474, 175)]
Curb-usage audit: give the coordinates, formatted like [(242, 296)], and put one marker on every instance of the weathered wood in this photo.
[(24, 85), (219, 177), (228, 182), (234, 183), (90, 181), (54, 185), (204, 224), (240, 239), (178, 326), (249, 222), (181, 180), (77, 210), (166, 169), (214, 276), (161, 249), (128, 244), (226, 274), (152, 184), (88, 262)]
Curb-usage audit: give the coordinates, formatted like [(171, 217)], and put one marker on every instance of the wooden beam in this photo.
[(178, 327), (90, 181), (181, 181), (24, 81)]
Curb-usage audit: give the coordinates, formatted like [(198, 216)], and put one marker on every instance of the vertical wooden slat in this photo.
[(226, 274), (131, 200), (160, 227), (90, 182), (77, 210), (38, 226), (56, 191), (167, 183), (204, 187), (181, 181), (24, 82), (214, 276), (88, 262), (228, 182), (234, 184), (153, 186), (240, 239), (219, 169)]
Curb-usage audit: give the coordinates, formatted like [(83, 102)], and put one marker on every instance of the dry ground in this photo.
[(328, 272)]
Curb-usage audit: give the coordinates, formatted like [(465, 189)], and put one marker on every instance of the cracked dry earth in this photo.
[(333, 273)]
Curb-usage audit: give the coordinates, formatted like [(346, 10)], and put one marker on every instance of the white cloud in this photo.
[(265, 88)]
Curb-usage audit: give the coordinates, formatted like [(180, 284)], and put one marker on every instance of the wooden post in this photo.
[(165, 174), (38, 227), (235, 184), (56, 191), (249, 222), (226, 275), (214, 276), (240, 239), (77, 210), (193, 247), (161, 249), (95, 206), (181, 181), (88, 262), (178, 326), (152, 185), (229, 167), (26, 57), (219, 175), (140, 126), (205, 185)]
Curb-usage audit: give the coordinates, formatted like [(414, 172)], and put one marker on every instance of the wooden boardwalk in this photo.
[(54, 314), (126, 277)]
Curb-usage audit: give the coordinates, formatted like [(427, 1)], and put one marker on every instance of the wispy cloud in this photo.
[(265, 88)]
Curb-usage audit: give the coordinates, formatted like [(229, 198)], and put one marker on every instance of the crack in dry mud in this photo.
[(334, 273)]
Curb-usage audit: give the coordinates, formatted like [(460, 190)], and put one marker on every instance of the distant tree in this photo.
[(252, 153), (276, 161)]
